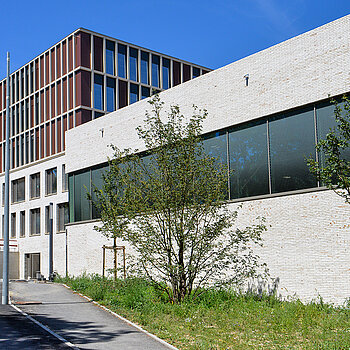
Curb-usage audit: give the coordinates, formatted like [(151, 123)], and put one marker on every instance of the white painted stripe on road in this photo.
[(125, 320), (66, 342)]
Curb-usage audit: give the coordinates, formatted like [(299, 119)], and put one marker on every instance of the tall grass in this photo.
[(222, 319)]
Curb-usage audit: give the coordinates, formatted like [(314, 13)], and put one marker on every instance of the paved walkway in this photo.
[(18, 333), (79, 321)]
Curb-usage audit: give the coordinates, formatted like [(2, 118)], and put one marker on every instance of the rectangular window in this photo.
[(110, 57), (35, 221), (144, 92), (248, 160), (82, 185), (110, 94), (155, 70), (292, 141), (18, 190), (144, 67), (64, 179), (98, 91), (133, 64), (13, 225), (166, 73), (134, 93), (47, 219), (22, 223), (35, 185), (195, 72), (51, 181), (62, 216), (121, 61)]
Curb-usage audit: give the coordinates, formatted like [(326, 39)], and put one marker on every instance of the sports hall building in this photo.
[(266, 112)]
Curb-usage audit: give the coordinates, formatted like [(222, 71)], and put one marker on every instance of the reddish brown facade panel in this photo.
[(42, 143), (64, 95), (77, 44), (71, 123), (83, 89), (186, 72), (86, 50), (42, 71), (78, 89), (0, 158), (47, 68), (58, 60), (36, 75), (1, 97), (64, 57), (70, 95), (176, 73), (98, 53), (53, 65), (123, 93), (59, 135), (47, 98), (53, 104), (31, 111), (42, 106), (53, 137), (1, 126), (59, 87), (64, 130), (82, 116), (48, 144), (70, 54), (37, 143)]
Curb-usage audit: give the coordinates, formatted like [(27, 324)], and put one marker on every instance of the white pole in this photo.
[(5, 273)]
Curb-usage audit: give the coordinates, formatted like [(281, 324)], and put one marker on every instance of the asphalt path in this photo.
[(17, 332), (77, 320)]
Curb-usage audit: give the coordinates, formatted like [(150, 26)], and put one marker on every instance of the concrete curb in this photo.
[(123, 319), (64, 341)]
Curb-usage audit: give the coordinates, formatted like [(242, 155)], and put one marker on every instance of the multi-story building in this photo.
[(79, 79), (266, 114)]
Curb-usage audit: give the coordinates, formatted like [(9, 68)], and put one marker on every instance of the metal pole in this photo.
[(51, 243), (5, 273)]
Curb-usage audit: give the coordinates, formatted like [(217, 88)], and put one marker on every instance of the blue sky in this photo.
[(209, 33)]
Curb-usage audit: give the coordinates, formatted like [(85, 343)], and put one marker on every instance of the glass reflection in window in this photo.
[(248, 160), (155, 70), (144, 67), (98, 91), (134, 93), (110, 94), (121, 61), (110, 57), (133, 64), (292, 140), (166, 73)]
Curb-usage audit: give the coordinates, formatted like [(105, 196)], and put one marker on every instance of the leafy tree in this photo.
[(334, 169), (169, 204)]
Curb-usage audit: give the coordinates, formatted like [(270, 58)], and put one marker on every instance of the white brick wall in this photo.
[(306, 244), (299, 71)]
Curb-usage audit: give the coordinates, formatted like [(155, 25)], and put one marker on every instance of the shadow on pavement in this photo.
[(17, 332), (78, 333)]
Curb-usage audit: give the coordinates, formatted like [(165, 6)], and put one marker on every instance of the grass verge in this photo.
[(221, 319)]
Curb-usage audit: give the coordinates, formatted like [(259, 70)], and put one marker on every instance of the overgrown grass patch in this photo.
[(221, 319)]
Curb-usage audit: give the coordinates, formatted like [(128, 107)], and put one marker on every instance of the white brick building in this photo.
[(285, 103)]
